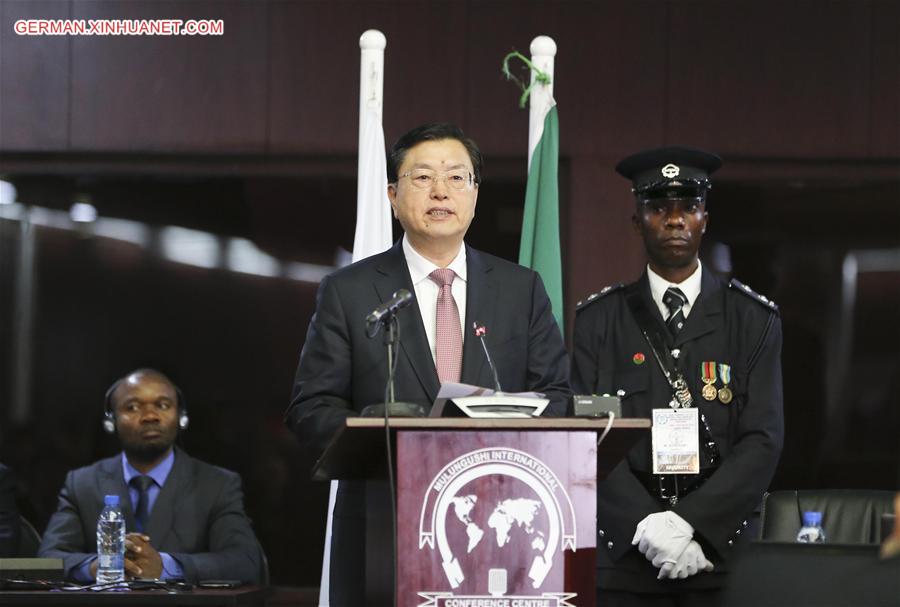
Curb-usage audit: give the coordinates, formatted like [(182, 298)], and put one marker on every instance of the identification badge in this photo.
[(675, 438)]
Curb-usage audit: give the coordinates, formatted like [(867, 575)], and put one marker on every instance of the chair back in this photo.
[(849, 516), (29, 539), (264, 566)]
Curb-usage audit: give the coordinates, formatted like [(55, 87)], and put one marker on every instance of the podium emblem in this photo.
[(492, 500)]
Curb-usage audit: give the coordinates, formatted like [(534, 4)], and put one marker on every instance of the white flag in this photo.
[(373, 235), (373, 210)]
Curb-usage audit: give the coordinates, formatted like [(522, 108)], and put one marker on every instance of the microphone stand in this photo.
[(390, 407), (480, 332), (391, 340), (498, 391)]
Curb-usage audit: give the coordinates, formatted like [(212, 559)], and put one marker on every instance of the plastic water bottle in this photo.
[(111, 542), (811, 532)]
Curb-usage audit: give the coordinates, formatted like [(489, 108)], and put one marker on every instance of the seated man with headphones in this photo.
[(184, 518)]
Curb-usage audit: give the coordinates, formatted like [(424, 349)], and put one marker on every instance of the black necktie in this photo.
[(674, 300), (142, 512)]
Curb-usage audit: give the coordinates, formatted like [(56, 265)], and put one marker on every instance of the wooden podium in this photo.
[(499, 510)]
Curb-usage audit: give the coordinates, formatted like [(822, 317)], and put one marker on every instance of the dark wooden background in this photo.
[(253, 134)]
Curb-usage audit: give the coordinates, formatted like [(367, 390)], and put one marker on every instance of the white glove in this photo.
[(691, 562), (662, 537)]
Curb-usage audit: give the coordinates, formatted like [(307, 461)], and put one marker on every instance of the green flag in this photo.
[(539, 249)]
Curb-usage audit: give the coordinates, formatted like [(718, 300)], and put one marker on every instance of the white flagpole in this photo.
[(371, 76), (543, 52), (373, 216)]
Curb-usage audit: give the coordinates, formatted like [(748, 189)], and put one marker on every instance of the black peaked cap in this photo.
[(669, 168)]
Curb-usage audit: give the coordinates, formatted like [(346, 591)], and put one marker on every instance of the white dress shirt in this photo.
[(690, 286), (427, 290)]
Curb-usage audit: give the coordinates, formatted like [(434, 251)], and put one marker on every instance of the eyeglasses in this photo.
[(423, 179)]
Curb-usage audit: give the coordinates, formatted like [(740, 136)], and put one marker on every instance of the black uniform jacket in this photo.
[(727, 324), (341, 370)]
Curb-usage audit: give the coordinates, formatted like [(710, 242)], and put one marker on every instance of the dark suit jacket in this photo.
[(9, 514), (727, 324), (198, 518), (342, 371)]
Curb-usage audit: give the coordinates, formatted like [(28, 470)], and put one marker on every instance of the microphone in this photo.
[(480, 332), (400, 299)]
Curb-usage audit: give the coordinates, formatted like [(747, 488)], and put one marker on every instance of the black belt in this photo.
[(670, 488)]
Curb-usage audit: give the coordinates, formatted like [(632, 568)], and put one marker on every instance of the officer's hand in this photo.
[(691, 562), (141, 559), (662, 537)]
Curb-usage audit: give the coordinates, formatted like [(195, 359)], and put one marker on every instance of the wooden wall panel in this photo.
[(315, 70), (34, 80), (426, 54), (801, 79), (770, 78), (609, 78), (603, 249), (314, 80), (614, 78), (885, 98), (171, 93)]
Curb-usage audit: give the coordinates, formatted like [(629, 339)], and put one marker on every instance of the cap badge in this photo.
[(670, 170)]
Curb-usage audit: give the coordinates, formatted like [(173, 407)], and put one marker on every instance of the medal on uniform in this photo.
[(725, 395), (708, 375)]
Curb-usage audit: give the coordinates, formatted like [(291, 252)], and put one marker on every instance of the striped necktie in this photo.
[(674, 300)]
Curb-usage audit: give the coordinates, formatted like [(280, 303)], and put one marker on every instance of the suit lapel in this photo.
[(162, 517), (706, 314), (112, 482), (481, 306), (393, 274)]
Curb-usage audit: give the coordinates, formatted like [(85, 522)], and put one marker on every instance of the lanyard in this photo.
[(681, 393)]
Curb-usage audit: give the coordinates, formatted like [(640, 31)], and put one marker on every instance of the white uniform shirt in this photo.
[(690, 286)]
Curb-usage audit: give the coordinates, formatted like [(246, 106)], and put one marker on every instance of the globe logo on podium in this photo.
[(500, 505)]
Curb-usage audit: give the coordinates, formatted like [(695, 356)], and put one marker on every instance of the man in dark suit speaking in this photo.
[(434, 172), (185, 518)]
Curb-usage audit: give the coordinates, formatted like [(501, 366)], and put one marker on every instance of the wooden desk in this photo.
[(250, 595)]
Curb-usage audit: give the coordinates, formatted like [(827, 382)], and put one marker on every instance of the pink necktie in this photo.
[(449, 331)]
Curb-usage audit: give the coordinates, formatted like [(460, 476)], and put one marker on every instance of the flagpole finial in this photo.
[(543, 46), (374, 40)]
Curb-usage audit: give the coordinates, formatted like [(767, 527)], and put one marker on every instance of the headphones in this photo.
[(109, 416)]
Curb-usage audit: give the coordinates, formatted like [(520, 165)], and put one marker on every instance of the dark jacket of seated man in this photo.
[(183, 518), (198, 520)]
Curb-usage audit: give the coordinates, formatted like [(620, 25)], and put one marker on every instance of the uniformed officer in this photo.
[(702, 359)]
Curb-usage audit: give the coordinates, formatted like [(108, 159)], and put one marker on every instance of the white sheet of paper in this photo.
[(451, 390), (675, 437)]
